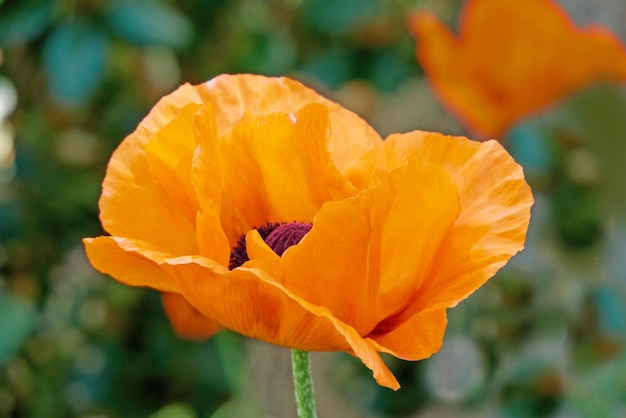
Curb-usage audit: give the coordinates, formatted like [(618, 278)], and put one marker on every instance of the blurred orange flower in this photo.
[(512, 58), (254, 204)]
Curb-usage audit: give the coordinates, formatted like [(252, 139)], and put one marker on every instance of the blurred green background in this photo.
[(545, 338)]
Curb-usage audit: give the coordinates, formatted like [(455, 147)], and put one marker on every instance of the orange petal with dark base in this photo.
[(376, 247), (401, 231), (277, 167), (254, 304)]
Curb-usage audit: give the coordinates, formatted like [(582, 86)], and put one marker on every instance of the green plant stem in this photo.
[(305, 401)]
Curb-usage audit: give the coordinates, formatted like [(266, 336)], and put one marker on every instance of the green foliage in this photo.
[(17, 320), (74, 57), (24, 22), (149, 22), (340, 16)]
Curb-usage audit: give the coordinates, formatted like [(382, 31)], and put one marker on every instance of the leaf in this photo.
[(340, 16), (596, 116), (147, 22), (17, 319), (174, 410), (598, 392), (236, 408), (530, 146), (232, 356), (271, 53), (610, 305), (24, 23), (74, 58), (331, 67), (389, 70)]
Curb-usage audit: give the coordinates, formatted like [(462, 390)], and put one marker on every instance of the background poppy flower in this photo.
[(512, 58), (401, 229)]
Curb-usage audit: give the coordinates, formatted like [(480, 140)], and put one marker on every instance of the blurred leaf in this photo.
[(576, 214), (232, 356), (17, 318), (533, 390), (598, 393), (389, 70), (148, 22), (24, 22), (597, 115), (332, 67), (175, 410), (611, 308), (9, 216), (530, 146), (236, 408), (266, 53), (74, 58), (340, 16)]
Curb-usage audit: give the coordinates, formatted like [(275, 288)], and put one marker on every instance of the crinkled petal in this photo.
[(186, 320), (376, 247), (350, 136), (130, 262), (133, 204), (169, 152), (206, 179), (495, 211), (416, 338), (252, 303), (276, 167), (151, 200)]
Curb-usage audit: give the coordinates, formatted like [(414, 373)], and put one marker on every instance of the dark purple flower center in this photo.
[(277, 236)]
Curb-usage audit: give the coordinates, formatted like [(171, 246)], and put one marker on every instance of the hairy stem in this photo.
[(303, 383)]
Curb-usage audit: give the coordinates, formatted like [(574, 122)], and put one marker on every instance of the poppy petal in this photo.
[(414, 339), (376, 247), (135, 264), (241, 93), (132, 203), (186, 320), (437, 52), (262, 256), (206, 180), (492, 225), (512, 58), (129, 261), (251, 302), (169, 152), (276, 167)]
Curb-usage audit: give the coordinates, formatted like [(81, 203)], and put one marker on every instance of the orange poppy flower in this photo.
[(259, 206), (512, 58)]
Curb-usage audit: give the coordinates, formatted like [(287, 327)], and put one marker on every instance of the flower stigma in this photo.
[(277, 236)]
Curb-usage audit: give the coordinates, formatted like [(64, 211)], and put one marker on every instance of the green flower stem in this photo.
[(305, 401)]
